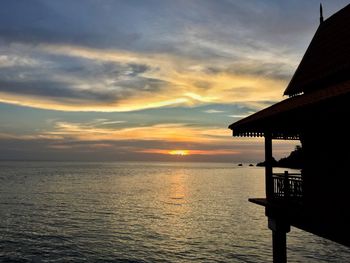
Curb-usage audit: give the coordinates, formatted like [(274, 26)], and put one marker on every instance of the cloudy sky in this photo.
[(141, 79)]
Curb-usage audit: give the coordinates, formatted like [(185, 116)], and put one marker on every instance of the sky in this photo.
[(145, 80)]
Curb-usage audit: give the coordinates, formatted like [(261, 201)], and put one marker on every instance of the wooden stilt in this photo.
[(279, 246), (279, 228)]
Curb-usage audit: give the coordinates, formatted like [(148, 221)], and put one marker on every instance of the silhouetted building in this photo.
[(317, 113)]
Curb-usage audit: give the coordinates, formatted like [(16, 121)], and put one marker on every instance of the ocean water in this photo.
[(141, 212)]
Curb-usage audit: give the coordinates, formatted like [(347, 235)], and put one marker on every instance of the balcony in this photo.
[(285, 191), (287, 186)]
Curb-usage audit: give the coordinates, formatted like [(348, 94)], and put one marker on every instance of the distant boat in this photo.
[(240, 164)]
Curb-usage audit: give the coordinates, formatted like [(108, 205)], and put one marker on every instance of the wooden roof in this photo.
[(285, 119), (327, 59)]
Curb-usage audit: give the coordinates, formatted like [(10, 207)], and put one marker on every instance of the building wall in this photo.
[(327, 166)]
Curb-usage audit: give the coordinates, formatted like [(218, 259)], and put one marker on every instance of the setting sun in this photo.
[(179, 152)]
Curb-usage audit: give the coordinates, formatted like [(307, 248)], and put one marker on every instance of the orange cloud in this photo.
[(165, 132)]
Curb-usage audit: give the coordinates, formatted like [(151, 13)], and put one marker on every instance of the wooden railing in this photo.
[(287, 186)]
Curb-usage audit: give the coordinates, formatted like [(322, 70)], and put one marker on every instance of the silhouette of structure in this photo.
[(316, 113)]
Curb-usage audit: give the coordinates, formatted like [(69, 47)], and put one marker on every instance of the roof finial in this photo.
[(321, 13)]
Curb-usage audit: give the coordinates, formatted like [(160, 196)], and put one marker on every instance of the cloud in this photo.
[(118, 56), (63, 22), (213, 111), (274, 70), (55, 91), (17, 61), (76, 78), (63, 82), (175, 132), (237, 116)]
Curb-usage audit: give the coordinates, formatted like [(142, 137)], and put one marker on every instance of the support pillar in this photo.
[(268, 166), (279, 228)]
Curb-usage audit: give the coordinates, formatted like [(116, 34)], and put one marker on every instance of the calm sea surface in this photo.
[(141, 212)]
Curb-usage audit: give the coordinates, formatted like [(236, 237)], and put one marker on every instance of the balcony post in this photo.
[(286, 186), (268, 166)]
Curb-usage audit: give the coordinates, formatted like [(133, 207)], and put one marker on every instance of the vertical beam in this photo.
[(279, 228), (279, 246), (268, 166)]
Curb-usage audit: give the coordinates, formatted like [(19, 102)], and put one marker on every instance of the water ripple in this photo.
[(141, 212)]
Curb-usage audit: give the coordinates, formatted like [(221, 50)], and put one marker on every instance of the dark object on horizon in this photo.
[(263, 164), (294, 160), (240, 164), (317, 114), (251, 165)]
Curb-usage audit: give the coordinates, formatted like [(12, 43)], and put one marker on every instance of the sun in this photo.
[(179, 152)]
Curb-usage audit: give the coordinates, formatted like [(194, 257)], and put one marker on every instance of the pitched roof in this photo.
[(327, 59)]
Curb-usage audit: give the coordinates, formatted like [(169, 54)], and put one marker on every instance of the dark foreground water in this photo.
[(141, 212)]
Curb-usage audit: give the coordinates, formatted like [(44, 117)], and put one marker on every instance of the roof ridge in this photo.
[(331, 42)]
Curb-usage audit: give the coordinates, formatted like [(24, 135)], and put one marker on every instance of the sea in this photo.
[(142, 212)]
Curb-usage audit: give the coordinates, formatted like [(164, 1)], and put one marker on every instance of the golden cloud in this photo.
[(185, 81)]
